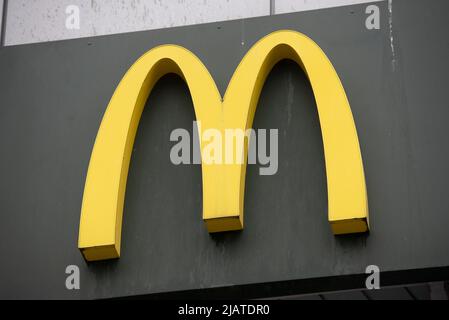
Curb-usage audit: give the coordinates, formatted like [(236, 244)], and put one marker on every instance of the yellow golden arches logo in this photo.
[(223, 184)]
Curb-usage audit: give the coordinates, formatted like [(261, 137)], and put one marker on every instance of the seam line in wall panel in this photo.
[(367, 297), (410, 293)]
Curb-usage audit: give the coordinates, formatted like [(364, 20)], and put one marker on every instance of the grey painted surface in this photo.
[(52, 100), (44, 20), (411, 292)]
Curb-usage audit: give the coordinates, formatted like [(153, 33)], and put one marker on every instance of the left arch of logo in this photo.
[(223, 184)]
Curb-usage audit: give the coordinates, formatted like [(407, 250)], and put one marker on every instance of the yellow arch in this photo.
[(223, 184)]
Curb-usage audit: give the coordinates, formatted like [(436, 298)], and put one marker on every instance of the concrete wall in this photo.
[(1, 15), (287, 6), (31, 21)]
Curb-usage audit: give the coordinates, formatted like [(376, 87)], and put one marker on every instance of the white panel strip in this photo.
[(1, 16), (45, 20), (286, 6), (48, 20)]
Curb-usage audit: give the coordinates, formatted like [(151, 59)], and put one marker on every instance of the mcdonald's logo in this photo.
[(223, 184)]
